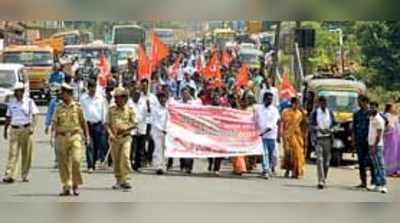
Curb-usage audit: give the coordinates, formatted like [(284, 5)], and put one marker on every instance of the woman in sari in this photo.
[(391, 139), (238, 162), (293, 139)]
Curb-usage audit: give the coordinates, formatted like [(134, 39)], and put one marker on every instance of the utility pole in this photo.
[(298, 59), (275, 55)]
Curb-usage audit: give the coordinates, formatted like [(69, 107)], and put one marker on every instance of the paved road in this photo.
[(177, 187)]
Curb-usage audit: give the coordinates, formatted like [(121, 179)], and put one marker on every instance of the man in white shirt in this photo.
[(95, 110), (146, 102), (21, 116), (375, 141), (158, 132), (188, 82), (322, 122), (266, 86), (186, 164), (267, 120), (138, 134)]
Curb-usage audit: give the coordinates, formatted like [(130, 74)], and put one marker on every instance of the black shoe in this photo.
[(159, 172), (65, 193), (136, 169), (321, 186), (361, 186), (8, 180), (126, 186), (189, 171), (75, 191)]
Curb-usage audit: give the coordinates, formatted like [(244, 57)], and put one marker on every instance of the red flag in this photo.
[(212, 70), (226, 58), (242, 76), (159, 50), (174, 69), (105, 71), (144, 65), (287, 89)]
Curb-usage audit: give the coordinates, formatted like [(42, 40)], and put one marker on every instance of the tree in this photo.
[(380, 47)]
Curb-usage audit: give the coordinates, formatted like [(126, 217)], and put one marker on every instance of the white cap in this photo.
[(19, 86)]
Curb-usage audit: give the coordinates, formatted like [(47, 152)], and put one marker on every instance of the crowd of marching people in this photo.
[(119, 119)]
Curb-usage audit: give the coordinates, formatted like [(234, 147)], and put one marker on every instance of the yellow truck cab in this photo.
[(38, 62), (342, 98)]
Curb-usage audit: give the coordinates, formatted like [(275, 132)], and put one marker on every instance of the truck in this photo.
[(38, 62)]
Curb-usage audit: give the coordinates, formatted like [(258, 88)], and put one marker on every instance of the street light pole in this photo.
[(340, 32)]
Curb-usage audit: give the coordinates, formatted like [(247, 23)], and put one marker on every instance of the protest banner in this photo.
[(208, 131)]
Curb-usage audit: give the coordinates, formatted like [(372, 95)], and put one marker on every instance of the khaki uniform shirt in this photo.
[(120, 118), (68, 118)]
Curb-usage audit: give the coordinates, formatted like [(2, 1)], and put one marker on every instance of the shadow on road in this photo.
[(37, 195)]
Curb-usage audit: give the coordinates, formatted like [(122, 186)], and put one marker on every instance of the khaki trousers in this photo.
[(120, 152), (20, 141), (69, 160)]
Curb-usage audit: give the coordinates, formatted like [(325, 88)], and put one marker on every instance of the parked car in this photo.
[(10, 75)]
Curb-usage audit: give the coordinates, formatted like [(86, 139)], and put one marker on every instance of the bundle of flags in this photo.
[(159, 52), (105, 71)]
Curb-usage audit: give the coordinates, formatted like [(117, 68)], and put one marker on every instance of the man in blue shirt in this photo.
[(49, 117), (360, 140), (57, 76)]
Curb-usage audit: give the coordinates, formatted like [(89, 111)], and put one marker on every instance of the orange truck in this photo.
[(38, 62), (254, 26)]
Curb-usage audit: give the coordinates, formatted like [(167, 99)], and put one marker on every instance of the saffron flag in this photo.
[(159, 50), (212, 70), (144, 65), (105, 71), (287, 89), (242, 77), (226, 58)]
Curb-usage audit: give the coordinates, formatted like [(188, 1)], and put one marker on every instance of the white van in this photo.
[(10, 75)]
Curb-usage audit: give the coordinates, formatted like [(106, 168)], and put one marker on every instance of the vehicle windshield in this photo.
[(7, 79), (125, 54), (95, 53), (29, 58), (71, 39), (341, 101), (249, 58), (71, 53), (165, 34)]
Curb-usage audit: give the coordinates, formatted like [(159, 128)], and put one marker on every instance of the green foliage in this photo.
[(380, 46), (382, 95)]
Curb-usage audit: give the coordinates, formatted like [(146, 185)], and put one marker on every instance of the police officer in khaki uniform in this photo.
[(120, 122), (68, 123), (21, 116)]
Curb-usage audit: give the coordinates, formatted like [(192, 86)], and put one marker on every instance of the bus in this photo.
[(128, 34), (167, 36), (223, 36)]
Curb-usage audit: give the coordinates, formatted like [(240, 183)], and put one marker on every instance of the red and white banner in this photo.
[(208, 131)]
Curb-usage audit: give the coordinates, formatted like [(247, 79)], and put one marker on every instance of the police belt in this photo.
[(20, 126), (68, 133)]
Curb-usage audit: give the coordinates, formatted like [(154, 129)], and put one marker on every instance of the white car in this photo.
[(10, 75), (125, 51)]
